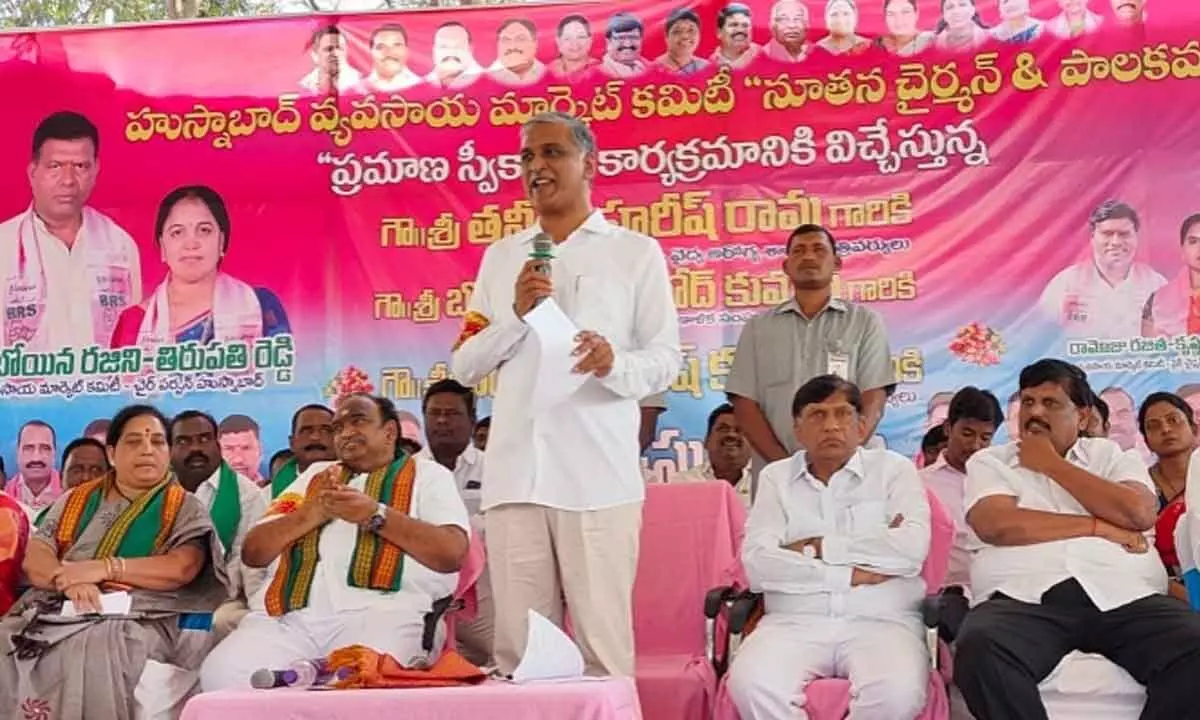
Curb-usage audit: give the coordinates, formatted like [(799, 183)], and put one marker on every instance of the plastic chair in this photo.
[(829, 698), (690, 539)]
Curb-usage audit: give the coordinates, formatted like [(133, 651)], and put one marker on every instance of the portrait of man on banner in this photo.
[(454, 63), (516, 54), (331, 72), (67, 271), (389, 51), (1104, 296)]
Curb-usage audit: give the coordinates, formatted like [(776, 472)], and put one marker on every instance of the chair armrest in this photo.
[(931, 610), (743, 611), (952, 610), (715, 599)]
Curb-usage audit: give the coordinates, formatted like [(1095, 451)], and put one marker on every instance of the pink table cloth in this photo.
[(609, 699)]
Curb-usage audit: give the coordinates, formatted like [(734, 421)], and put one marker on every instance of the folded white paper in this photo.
[(549, 654), (555, 333), (114, 603)]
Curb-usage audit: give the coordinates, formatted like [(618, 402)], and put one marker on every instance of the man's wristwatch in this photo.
[(375, 522)]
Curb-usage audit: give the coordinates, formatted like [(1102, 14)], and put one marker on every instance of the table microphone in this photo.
[(305, 673)]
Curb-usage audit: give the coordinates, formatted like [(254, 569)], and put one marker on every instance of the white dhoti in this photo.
[(885, 661), (262, 641)]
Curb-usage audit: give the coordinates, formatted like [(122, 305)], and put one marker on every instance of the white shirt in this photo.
[(1085, 305), (506, 76), (607, 279), (434, 501), (1111, 576), (347, 78), (471, 72), (468, 475), (402, 80), (704, 473), (70, 276), (949, 485), (1060, 26), (852, 514), (254, 506)]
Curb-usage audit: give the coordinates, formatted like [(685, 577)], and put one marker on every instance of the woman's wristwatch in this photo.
[(375, 522)]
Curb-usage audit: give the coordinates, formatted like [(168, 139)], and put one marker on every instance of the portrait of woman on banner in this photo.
[(198, 302), (904, 37), (960, 28), (1174, 309)]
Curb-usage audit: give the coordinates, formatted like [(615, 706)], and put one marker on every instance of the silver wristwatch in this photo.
[(375, 522)]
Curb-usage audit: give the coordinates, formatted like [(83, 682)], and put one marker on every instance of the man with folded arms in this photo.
[(359, 551), (835, 542), (1065, 565)]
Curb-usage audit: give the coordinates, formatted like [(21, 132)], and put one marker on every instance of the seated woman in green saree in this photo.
[(138, 531)]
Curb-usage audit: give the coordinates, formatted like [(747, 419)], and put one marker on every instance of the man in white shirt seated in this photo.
[(449, 409), (727, 455), (360, 549), (1065, 564), (973, 419), (835, 542)]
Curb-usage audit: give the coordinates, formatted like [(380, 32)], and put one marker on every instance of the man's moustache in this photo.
[(1037, 423), (196, 456), (316, 448), (35, 464)]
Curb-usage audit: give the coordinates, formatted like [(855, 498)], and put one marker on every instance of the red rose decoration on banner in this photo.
[(978, 344), (348, 381)]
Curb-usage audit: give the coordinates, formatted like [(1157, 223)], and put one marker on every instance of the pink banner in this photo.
[(357, 166)]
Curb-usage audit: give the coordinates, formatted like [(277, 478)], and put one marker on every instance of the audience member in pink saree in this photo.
[(135, 531), (197, 302)]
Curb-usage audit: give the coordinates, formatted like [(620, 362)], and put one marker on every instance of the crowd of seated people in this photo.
[(1054, 549)]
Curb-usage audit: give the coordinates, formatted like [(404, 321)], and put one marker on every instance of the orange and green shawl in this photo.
[(376, 563), (141, 530)]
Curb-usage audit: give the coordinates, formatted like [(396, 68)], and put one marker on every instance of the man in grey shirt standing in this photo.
[(811, 334)]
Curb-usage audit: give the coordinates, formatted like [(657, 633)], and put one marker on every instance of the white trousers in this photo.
[(885, 661), (262, 641), (538, 555)]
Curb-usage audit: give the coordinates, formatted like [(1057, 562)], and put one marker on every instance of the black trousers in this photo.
[(1006, 647)]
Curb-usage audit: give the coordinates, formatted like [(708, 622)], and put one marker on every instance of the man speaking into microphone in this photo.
[(562, 487)]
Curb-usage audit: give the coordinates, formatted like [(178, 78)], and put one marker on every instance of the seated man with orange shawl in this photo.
[(359, 551), (68, 650)]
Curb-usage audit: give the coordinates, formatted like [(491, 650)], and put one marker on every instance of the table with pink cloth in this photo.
[(608, 699)]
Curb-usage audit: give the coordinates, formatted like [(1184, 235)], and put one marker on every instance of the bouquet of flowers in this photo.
[(349, 380), (978, 344)]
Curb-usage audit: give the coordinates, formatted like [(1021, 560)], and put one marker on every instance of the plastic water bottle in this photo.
[(310, 673)]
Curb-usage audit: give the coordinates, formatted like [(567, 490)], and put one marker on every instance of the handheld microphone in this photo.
[(543, 250)]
